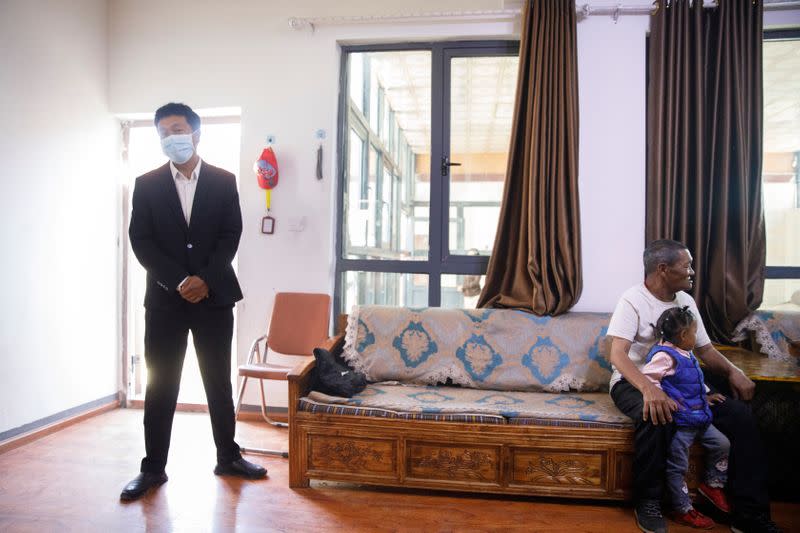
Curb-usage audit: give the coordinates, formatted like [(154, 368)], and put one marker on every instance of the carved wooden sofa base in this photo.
[(574, 462)]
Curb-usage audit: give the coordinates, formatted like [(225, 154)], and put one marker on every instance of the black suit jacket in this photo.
[(170, 250)]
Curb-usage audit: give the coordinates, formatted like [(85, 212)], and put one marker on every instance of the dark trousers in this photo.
[(165, 339), (747, 465)]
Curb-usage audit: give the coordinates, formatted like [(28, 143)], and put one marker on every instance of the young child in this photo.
[(673, 367)]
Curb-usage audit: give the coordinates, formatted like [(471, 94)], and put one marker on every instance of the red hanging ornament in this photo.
[(266, 169)]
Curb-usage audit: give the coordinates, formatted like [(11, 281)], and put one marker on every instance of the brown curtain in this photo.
[(704, 143), (536, 261)]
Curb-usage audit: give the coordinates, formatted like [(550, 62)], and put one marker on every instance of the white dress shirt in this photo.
[(186, 186)]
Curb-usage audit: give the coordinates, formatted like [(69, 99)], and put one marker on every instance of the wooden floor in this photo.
[(70, 481)]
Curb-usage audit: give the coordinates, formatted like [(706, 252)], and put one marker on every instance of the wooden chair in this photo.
[(299, 323)]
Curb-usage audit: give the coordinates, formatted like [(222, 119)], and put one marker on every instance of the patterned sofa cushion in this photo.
[(391, 400), (326, 406), (497, 349)]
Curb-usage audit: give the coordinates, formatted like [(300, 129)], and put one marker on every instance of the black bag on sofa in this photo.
[(334, 378)]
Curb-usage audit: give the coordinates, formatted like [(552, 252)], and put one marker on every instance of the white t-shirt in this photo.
[(633, 317)]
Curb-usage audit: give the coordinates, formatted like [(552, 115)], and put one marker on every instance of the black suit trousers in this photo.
[(165, 340), (747, 465)]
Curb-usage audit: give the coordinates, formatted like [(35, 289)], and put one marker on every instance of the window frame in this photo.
[(440, 261)]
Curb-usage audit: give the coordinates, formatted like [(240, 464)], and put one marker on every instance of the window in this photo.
[(781, 169), (414, 230)]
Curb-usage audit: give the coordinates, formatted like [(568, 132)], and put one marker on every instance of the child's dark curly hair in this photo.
[(672, 322)]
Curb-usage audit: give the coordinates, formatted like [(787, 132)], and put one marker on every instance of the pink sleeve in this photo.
[(659, 367)]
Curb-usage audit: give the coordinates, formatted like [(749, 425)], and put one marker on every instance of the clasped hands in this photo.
[(193, 289)]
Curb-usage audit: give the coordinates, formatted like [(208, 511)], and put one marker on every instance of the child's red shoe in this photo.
[(716, 496), (694, 519)]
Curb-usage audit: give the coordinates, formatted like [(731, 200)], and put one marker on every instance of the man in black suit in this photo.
[(185, 229)]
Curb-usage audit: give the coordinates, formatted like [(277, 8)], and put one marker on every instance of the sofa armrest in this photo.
[(302, 370), (300, 376), (334, 344)]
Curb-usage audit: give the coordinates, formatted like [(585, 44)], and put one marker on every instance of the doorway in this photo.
[(220, 145)]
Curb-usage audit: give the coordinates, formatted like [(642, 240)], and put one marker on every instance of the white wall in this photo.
[(58, 199), (286, 82), (611, 167)]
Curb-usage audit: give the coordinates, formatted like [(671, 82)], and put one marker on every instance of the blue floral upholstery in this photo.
[(473, 405), (497, 349)]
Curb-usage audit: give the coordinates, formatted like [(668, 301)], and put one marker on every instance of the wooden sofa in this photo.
[(543, 460)]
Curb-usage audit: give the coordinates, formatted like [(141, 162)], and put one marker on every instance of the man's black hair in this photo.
[(672, 322), (182, 110), (661, 251)]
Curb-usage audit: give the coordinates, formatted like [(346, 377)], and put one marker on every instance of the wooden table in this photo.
[(759, 367), (776, 406)]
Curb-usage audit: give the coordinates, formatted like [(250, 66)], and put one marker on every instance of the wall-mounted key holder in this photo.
[(320, 136)]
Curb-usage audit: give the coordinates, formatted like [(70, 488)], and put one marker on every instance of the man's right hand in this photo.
[(658, 407), (193, 289)]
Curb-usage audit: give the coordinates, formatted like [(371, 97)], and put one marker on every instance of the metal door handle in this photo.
[(446, 164)]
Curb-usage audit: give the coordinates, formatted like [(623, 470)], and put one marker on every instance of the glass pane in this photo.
[(380, 221), (392, 136), (420, 224), (386, 209), (461, 291), (374, 97), (384, 288), (481, 107), (371, 204), (356, 190), (397, 214), (781, 295), (400, 147), (781, 166), (356, 82), (386, 121)]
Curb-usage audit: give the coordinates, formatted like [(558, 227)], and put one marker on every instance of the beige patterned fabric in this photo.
[(497, 349), (777, 333), (444, 400)]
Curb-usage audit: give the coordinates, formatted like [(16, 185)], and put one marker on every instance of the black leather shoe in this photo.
[(141, 484), (242, 468), (754, 524)]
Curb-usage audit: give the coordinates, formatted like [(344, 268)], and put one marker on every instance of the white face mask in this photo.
[(178, 148)]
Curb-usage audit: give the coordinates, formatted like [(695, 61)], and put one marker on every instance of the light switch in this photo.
[(297, 223)]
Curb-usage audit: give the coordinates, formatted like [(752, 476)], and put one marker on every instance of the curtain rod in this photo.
[(583, 11)]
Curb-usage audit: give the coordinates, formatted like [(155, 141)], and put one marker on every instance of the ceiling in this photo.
[(482, 98)]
